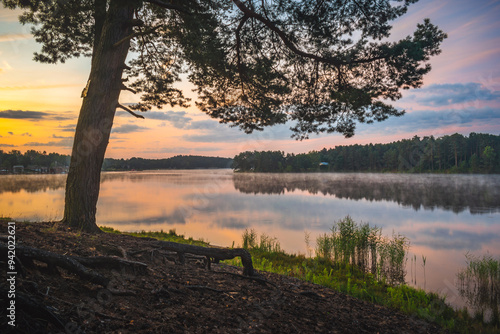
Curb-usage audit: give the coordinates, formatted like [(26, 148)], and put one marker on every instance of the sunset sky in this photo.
[(39, 103)]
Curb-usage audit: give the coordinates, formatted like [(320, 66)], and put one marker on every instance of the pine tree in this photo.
[(323, 64)]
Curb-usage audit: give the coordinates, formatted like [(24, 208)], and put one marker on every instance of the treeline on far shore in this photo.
[(42, 162), (477, 153), (177, 162)]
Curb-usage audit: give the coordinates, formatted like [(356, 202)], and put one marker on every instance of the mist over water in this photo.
[(444, 216), (475, 193)]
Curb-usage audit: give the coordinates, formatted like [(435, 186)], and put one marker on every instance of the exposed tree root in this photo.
[(214, 254), (57, 260)]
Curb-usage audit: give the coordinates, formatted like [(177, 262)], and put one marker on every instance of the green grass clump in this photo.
[(171, 235), (364, 247), (357, 260)]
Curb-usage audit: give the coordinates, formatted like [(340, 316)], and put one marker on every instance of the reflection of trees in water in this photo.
[(31, 183), (37, 183), (478, 193)]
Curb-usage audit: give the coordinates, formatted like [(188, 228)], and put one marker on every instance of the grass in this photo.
[(357, 260), (171, 235), (364, 247)]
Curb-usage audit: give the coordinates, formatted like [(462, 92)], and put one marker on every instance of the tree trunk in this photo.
[(96, 118)]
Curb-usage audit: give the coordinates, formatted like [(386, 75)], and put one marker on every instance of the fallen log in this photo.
[(216, 253)]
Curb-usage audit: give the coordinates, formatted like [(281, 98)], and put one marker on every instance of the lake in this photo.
[(444, 216)]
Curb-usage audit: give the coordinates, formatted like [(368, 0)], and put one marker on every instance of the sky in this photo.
[(39, 103)]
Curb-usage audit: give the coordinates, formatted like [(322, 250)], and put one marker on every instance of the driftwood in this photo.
[(214, 253)]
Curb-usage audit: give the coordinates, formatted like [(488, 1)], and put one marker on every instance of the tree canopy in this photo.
[(324, 65)]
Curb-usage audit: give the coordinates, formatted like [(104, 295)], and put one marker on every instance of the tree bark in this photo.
[(96, 118)]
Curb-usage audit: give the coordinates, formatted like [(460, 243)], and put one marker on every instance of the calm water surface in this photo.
[(444, 216)]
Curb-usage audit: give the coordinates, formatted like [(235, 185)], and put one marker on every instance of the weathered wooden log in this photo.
[(216, 253), (62, 261)]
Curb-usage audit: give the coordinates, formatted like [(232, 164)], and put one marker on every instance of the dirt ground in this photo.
[(168, 297)]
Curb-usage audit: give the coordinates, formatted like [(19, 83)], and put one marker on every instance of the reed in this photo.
[(264, 244), (479, 284), (362, 245), (267, 255)]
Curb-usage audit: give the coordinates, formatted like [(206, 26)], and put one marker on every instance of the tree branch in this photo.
[(136, 34), (99, 18), (290, 45), (136, 23), (168, 6), (281, 34), (238, 52), (129, 111), (129, 89)]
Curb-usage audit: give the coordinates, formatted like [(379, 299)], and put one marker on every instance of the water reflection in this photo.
[(31, 183), (477, 193), (479, 285), (438, 213)]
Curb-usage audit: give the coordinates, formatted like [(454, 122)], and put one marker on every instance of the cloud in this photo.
[(429, 119), (7, 145), (60, 137), (14, 37), (67, 128), (67, 142), (177, 149), (20, 114), (177, 118), (26, 134), (438, 95), (203, 125), (6, 66), (10, 133), (36, 115), (210, 130), (223, 133), (36, 87), (128, 128), (440, 238), (207, 149)]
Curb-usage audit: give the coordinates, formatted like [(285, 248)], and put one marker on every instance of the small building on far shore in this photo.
[(324, 166), (59, 170), (18, 169), (37, 169)]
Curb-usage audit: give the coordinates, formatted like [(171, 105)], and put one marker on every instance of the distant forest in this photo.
[(177, 162), (478, 153), (32, 161)]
